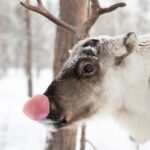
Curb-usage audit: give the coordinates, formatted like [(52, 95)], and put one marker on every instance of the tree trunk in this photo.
[(73, 12), (28, 59)]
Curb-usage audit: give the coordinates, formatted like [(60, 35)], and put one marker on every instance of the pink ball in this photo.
[(37, 108)]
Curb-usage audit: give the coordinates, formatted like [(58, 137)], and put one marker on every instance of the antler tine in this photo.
[(87, 25), (43, 11), (113, 7), (40, 3), (96, 12), (95, 5)]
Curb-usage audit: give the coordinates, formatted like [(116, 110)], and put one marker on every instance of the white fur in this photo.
[(127, 92), (125, 88)]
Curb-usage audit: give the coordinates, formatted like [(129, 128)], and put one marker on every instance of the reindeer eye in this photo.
[(88, 68)]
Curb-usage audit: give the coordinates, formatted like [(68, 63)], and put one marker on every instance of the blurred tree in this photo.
[(28, 55), (73, 12)]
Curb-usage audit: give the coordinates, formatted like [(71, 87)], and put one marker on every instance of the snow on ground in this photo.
[(17, 132)]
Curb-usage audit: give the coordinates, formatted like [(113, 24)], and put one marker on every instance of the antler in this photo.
[(81, 31)]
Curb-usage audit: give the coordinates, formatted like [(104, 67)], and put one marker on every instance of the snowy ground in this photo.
[(17, 132)]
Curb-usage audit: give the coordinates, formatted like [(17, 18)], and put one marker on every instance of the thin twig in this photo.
[(91, 144), (83, 135)]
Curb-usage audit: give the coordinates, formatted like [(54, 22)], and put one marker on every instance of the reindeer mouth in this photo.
[(60, 124), (56, 121), (53, 124)]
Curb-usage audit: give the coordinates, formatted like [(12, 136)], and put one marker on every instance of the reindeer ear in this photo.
[(131, 41), (131, 44)]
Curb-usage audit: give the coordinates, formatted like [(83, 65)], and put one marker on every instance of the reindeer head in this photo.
[(77, 92)]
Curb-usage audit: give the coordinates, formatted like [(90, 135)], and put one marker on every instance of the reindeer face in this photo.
[(75, 94), (74, 90)]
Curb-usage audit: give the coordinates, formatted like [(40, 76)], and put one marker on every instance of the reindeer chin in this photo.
[(54, 126)]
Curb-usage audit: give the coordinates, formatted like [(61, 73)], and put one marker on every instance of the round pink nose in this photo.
[(37, 108)]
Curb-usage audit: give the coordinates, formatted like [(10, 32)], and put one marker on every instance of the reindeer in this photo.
[(102, 75)]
